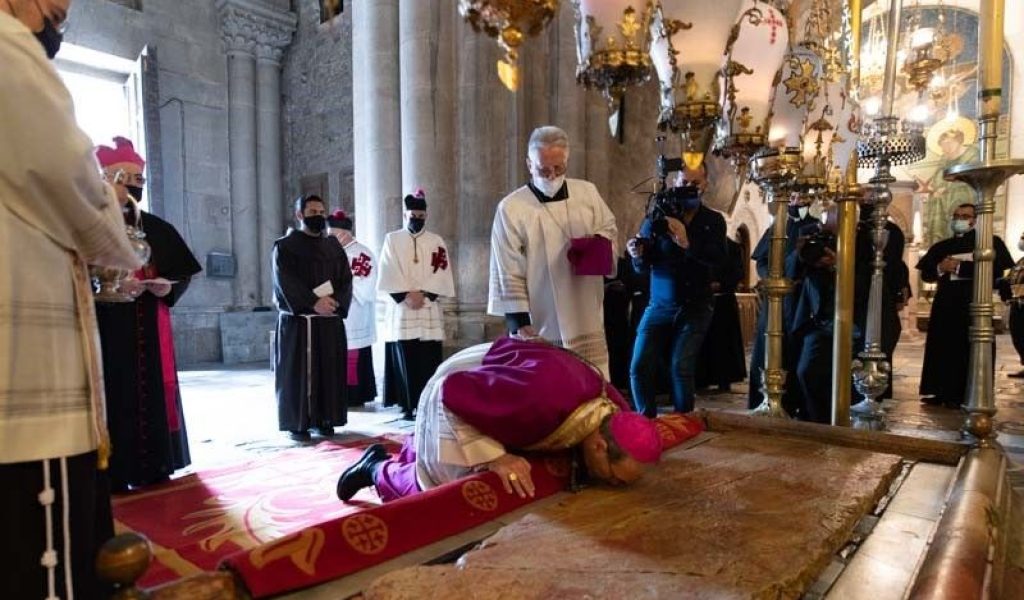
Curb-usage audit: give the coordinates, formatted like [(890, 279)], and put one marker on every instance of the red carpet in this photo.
[(196, 521), (345, 543)]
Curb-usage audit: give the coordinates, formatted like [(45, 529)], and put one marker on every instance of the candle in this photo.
[(990, 45)]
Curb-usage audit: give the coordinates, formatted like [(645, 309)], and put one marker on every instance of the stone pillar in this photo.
[(484, 126), (238, 32), (377, 135), (427, 60), (273, 36), (254, 35)]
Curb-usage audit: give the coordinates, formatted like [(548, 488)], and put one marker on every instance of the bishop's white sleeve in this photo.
[(604, 226), (508, 291)]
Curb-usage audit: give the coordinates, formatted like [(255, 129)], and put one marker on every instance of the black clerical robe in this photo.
[(722, 358), (144, 414), (947, 346), (311, 349)]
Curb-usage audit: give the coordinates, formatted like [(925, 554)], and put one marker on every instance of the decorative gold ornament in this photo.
[(612, 46), (509, 22)]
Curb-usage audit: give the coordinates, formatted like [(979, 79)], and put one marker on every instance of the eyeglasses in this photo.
[(550, 172), (964, 216), (126, 178)]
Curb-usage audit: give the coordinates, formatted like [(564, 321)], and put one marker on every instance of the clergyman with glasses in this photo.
[(552, 244)]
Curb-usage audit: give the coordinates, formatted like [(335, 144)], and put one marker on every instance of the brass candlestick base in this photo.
[(774, 171), (985, 177)]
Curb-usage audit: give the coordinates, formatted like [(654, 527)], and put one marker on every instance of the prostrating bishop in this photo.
[(415, 270), (361, 322), (490, 403), (144, 413), (552, 244), (312, 289)]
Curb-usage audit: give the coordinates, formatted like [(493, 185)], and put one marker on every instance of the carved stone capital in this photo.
[(256, 28)]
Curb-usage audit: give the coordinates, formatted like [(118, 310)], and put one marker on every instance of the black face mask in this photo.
[(135, 191), (315, 223), (50, 37), (416, 224)]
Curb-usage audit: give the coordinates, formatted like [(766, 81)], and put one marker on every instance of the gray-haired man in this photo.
[(552, 244)]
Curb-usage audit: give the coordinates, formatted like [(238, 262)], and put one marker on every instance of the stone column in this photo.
[(427, 64), (377, 135), (484, 127), (273, 36), (238, 33)]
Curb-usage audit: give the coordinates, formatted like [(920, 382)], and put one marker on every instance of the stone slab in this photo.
[(740, 516), (245, 336)]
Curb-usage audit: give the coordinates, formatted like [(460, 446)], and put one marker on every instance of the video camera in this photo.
[(668, 201), (815, 244)]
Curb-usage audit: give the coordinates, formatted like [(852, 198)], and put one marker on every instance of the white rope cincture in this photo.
[(65, 493), (49, 557)]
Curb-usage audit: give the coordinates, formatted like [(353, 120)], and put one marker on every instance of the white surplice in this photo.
[(56, 216), (360, 325), (530, 270), (409, 263), (448, 448)]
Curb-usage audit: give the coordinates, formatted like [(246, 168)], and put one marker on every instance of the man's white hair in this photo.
[(546, 136)]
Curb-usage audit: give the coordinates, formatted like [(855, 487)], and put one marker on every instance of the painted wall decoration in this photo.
[(948, 108)]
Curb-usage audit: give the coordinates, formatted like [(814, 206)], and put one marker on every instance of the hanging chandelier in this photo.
[(688, 42), (612, 46), (509, 22)]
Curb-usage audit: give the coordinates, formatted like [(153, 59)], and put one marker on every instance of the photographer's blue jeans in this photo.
[(668, 329)]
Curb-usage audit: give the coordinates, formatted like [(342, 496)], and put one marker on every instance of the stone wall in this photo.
[(193, 136), (316, 90)]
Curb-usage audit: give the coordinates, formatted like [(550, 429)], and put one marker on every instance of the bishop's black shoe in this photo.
[(360, 474)]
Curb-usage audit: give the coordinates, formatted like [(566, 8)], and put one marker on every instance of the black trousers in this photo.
[(408, 366), (23, 525)]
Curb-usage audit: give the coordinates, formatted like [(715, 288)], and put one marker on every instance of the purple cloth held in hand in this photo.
[(590, 255)]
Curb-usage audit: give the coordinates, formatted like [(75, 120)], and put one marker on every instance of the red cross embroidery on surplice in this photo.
[(361, 266), (439, 260), (775, 23)]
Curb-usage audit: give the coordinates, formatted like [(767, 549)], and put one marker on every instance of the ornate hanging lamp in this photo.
[(688, 40), (757, 46), (612, 47), (509, 22)]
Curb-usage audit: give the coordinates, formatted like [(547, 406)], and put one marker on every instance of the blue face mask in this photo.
[(961, 226)]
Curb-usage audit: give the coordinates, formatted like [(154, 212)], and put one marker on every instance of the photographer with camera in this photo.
[(681, 244), (813, 319)]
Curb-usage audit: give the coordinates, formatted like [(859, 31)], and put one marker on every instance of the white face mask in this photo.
[(548, 187), (961, 226)]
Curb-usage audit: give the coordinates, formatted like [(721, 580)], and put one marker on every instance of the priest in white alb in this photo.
[(415, 272), (552, 244), (361, 322)]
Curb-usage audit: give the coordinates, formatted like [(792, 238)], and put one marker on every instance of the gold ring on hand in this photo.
[(512, 477)]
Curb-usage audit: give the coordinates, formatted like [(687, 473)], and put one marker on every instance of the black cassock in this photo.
[(311, 355), (722, 358), (144, 414), (947, 346)]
